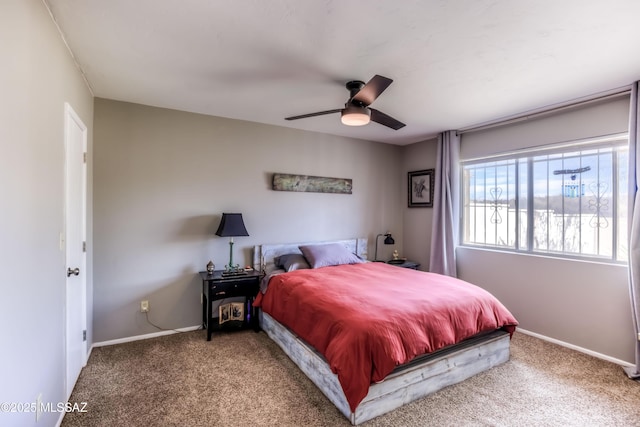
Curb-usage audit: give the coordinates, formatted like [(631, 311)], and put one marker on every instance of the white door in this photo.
[(75, 140)]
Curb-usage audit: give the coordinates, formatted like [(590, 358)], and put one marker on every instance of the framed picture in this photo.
[(224, 313), (231, 311), (237, 311), (421, 185)]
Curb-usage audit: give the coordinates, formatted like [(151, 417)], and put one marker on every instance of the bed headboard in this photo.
[(265, 254)]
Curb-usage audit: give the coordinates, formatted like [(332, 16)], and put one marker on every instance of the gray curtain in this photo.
[(634, 224), (444, 233)]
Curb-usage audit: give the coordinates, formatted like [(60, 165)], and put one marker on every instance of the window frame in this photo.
[(613, 141)]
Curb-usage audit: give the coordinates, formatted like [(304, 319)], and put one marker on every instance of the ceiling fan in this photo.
[(356, 111)]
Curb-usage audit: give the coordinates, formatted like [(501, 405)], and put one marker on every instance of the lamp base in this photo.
[(230, 269), (233, 270)]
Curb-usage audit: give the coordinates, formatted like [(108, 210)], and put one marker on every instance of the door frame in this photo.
[(71, 118)]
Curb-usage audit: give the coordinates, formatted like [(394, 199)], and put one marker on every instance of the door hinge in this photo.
[(84, 335), (84, 157), (84, 246)]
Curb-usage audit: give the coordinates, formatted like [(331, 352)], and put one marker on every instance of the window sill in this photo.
[(545, 256)]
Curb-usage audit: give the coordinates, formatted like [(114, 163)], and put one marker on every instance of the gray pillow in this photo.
[(328, 254), (292, 262)]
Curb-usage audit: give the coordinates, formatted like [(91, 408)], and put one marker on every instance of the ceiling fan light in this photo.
[(355, 116)]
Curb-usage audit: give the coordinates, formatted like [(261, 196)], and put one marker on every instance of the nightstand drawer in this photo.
[(238, 288)]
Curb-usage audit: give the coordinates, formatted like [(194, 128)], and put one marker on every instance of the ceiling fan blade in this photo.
[(385, 120), (372, 89), (319, 113)]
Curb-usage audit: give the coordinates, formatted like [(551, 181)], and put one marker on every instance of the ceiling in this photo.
[(454, 63)]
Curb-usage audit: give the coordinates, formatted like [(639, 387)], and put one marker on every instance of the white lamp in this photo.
[(354, 115)]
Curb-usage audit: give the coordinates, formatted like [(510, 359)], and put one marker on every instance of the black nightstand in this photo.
[(216, 287), (405, 264)]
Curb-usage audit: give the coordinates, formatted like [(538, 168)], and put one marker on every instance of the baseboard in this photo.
[(86, 359), (577, 348), (144, 337)]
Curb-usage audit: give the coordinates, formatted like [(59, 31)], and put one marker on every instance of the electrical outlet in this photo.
[(144, 306)]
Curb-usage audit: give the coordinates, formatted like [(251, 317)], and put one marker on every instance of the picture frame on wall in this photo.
[(421, 184)]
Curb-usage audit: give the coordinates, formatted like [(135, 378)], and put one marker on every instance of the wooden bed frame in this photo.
[(426, 375)]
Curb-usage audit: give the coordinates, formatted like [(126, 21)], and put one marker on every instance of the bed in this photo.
[(359, 330)]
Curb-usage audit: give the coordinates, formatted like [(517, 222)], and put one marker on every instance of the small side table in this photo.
[(216, 287), (406, 264)]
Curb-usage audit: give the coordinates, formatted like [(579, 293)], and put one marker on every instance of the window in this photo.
[(568, 201)]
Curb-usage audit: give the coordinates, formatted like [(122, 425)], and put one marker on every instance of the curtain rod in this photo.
[(615, 93)]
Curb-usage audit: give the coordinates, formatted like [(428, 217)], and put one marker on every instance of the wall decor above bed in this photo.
[(311, 184)]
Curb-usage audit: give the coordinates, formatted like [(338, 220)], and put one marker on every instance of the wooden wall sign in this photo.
[(311, 184)]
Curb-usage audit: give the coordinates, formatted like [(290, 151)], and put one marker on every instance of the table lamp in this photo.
[(231, 225), (387, 241)]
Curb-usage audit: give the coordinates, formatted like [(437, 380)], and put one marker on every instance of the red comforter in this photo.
[(366, 319)]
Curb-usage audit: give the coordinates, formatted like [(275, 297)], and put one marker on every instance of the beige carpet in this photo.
[(243, 379)]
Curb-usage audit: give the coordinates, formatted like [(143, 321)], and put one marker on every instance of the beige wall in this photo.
[(417, 221), (37, 77), (581, 303), (163, 178)]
